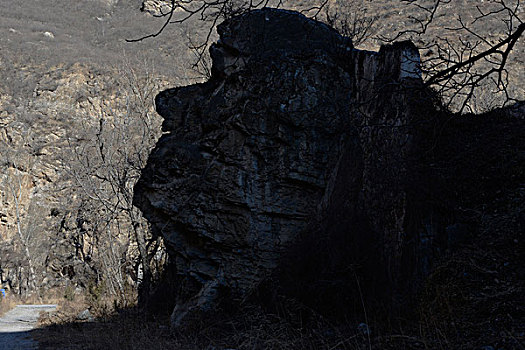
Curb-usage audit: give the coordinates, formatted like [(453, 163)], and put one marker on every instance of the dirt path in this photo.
[(16, 324)]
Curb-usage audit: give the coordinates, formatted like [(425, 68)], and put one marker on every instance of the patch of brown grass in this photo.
[(7, 304)]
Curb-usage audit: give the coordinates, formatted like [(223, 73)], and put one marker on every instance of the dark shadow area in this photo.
[(471, 297), (16, 340)]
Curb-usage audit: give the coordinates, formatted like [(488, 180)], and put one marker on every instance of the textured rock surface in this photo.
[(294, 127), (156, 7), (54, 94), (36, 139)]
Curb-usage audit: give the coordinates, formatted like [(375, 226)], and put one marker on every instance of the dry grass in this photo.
[(293, 326), (7, 304)]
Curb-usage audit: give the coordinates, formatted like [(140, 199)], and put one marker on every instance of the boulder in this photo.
[(85, 315), (299, 145)]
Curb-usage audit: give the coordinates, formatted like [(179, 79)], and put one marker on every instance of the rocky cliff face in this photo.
[(297, 137), (65, 76), (49, 222)]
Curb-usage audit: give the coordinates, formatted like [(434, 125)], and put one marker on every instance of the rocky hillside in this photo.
[(69, 86)]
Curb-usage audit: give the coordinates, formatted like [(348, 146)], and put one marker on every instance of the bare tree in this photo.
[(460, 62), (351, 21), (105, 162), (214, 12)]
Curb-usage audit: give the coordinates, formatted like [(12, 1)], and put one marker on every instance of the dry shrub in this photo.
[(7, 304)]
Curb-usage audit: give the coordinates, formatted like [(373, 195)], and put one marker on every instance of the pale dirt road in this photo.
[(16, 324)]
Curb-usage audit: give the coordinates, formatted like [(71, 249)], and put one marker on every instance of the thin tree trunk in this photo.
[(25, 243), (144, 287)]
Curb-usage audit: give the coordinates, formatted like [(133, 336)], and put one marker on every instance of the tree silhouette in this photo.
[(459, 70)]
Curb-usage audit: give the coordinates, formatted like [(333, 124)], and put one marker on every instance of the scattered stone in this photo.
[(85, 316), (49, 35), (156, 7)]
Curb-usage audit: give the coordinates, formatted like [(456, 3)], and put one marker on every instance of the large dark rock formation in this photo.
[(298, 144)]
